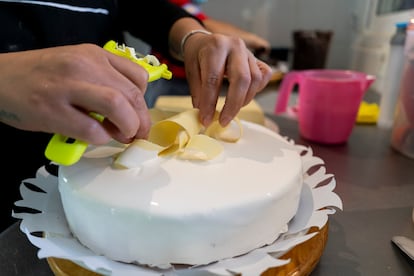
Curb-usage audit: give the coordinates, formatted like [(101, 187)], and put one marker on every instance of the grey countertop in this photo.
[(376, 185)]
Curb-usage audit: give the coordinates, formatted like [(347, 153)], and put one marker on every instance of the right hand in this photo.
[(54, 89), (208, 59)]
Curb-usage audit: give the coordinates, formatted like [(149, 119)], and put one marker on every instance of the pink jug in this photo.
[(328, 102)]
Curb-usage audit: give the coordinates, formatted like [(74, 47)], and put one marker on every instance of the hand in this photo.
[(256, 44), (208, 58), (54, 89)]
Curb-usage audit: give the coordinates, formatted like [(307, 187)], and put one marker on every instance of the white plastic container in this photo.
[(402, 138), (392, 78)]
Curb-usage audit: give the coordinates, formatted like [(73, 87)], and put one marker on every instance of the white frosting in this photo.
[(174, 211)]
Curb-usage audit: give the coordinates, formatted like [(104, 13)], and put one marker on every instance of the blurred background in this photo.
[(361, 29), (336, 34)]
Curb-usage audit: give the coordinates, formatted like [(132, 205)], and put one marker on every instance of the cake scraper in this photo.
[(405, 244)]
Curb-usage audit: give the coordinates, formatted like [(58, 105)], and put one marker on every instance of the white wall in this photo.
[(351, 21), (360, 41), (372, 43), (276, 19)]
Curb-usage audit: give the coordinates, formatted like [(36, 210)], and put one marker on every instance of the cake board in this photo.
[(303, 259), (299, 259)]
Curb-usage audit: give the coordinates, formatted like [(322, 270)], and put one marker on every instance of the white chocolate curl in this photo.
[(181, 135)]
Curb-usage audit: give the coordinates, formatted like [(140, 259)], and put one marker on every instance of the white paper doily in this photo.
[(318, 200)]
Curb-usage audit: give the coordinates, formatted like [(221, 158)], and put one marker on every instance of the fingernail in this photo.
[(206, 121), (225, 120)]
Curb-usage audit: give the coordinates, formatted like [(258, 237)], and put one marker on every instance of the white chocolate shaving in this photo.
[(150, 59), (137, 153), (181, 135), (130, 51), (200, 147), (231, 133)]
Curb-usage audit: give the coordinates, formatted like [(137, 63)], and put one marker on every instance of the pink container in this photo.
[(328, 102)]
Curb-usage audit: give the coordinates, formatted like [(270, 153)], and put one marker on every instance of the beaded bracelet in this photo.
[(188, 35)]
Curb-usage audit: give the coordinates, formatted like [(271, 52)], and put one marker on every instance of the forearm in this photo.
[(223, 27), (252, 40), (11, 75)]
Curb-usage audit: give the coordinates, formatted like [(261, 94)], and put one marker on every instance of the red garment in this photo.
[(180, 2), (177, 67), (190, 8)]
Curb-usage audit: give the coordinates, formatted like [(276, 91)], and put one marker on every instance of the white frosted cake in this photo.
[(175, 211)]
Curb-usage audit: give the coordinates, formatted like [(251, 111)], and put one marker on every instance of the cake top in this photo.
[(239, 173), (181, 135)]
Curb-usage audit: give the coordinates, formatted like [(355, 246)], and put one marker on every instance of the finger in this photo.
[(79, 125), (127, 74), (143, 126), (192, 70), (239, 77), (212, 68), (132, 80), (102, 67), (112, 104), (266, 72), (131, 70), (256, 83)]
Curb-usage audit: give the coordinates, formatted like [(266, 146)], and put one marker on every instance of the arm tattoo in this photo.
[(8, 116)]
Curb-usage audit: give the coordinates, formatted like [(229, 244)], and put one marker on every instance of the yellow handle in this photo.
[(67, 151)]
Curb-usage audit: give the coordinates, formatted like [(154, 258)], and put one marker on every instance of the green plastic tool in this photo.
[(67, 151)]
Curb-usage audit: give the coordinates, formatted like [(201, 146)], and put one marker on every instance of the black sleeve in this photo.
[(150, 20)]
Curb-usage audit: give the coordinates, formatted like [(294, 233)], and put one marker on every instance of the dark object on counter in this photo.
[(280, 53), (276, 54), (310, 49)]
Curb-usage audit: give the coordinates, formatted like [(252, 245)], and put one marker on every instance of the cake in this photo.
[(180, 211)]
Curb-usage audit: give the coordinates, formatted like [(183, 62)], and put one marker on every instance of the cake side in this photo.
[(187, 212)]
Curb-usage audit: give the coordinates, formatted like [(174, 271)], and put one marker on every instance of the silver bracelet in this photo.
[(188, 35)]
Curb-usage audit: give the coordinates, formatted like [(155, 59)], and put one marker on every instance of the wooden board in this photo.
[(304, 257)]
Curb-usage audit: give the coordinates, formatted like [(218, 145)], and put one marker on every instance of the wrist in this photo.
[(187, 36), (178, 31)]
